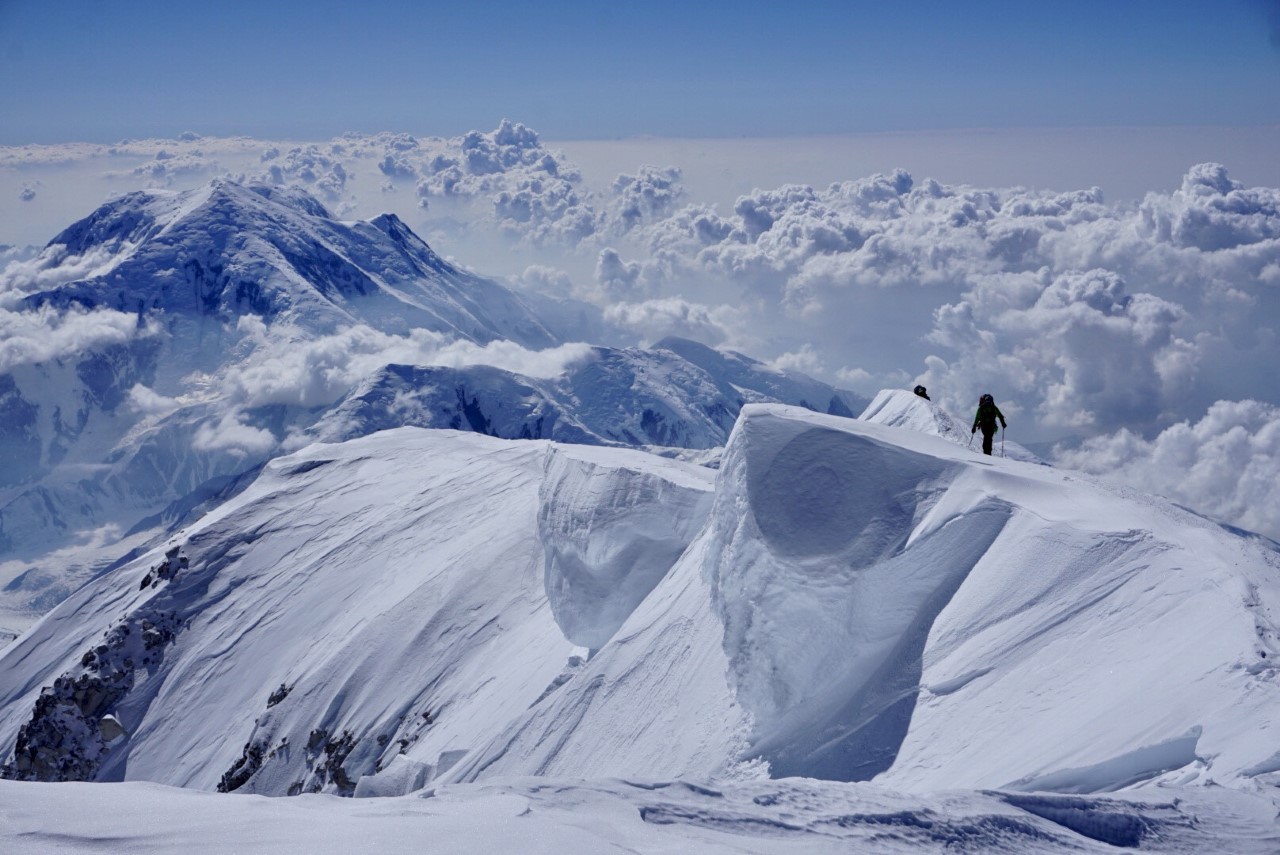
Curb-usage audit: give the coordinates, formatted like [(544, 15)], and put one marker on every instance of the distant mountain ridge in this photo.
[(676, 394), (218, 276)]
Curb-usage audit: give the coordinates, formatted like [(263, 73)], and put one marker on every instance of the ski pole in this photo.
[(1002, 432), (971, 435)]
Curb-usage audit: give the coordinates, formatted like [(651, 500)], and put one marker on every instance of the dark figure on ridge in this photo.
[(985, 418), (920, 390)]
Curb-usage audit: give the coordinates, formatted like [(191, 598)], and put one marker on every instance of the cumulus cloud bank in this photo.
[(46, 334), (1117, 325), (1225, 464), (310, 372)]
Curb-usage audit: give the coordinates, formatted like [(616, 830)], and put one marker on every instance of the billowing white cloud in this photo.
[(805, 360), (854, 378), (1082, 316), (652, 320), (231, 433), (1087, 355), (149, 402), (1226, 464), (167, 167), (646, 197), (544, 279), (315, 372), (619, 279), (44, 334), (316, 167), (51, 267)]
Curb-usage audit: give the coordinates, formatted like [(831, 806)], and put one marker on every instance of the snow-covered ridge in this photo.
[(856, 601), (899, 408), (887, 604), (376, 612)]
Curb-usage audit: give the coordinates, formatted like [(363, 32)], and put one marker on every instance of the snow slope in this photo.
[(887, 604), (361, 600), (855, 601)]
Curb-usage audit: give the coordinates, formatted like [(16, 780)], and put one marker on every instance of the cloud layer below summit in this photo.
[(1140, 330)]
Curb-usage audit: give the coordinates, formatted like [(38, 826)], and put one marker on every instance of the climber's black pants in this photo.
[(988, 433)]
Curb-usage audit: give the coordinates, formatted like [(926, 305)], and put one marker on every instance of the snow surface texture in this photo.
[(556, 816), (856, 601)]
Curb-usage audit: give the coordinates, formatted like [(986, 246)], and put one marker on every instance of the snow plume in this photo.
[(1224, 465), (47, 333)]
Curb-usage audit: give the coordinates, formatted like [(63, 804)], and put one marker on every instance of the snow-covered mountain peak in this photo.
[(757, 381), (226, 250)]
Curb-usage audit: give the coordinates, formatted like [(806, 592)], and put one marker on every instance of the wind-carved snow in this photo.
[(326, 632), (610, 536), (828, 588), (888, 603)]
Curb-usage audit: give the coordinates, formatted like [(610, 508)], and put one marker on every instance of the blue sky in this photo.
[(100, 71)]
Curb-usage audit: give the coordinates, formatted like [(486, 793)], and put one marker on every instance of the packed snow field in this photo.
[(557, 816)]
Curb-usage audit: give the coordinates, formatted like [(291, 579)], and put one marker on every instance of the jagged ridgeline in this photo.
[(144, 428), (841, 599)]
